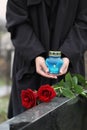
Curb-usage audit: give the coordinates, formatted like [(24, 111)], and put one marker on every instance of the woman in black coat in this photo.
[(36, 27)]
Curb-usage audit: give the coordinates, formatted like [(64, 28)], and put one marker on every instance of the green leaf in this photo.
[(61, 83), (71, 86), (84, 94), (68, 77), (67, 84), (68, 81), (74, 80), (67, 93), (81, 79), (78, 89)]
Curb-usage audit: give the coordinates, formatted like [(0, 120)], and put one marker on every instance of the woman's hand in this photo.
[(64, 67), (42, 69)]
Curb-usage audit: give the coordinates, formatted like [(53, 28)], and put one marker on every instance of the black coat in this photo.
[(31, 36)]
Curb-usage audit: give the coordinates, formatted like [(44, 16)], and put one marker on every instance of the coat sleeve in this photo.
[(75, 43), (23, 37)]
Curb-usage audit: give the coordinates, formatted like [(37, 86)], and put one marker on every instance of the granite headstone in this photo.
[(59, 114)]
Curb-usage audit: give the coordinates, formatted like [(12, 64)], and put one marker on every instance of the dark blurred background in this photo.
[(6, 56)]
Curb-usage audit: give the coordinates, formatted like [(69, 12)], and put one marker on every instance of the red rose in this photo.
[(28, 98), (46, 93)]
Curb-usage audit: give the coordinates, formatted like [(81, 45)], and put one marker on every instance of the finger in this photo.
[(44, 67), (63, 69), (40, 63), (47, 75), (44, 71)]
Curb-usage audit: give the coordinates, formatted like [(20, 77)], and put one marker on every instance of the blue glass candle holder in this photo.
[(54, 62)]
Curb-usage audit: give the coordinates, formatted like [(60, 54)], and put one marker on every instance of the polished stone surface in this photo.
[(59, 114)]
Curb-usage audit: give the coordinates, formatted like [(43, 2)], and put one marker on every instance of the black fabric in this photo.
[(51, 7), (37, 26)]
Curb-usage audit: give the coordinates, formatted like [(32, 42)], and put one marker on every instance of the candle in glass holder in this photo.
[(54, 62)]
